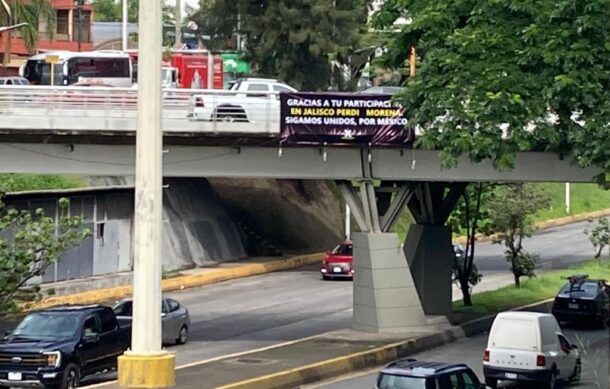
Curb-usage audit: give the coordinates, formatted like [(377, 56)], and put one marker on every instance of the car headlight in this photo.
[(53, 358)]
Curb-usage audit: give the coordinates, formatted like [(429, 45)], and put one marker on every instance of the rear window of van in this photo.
[(514, 334)]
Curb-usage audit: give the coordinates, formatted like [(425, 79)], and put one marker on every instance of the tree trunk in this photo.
[(7, 49), (517, 280), (467, 298)]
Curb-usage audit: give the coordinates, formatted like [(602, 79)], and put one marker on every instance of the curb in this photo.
[(323, 370), (178, 283), (562, 221)]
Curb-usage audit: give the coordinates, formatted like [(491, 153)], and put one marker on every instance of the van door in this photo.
[(513, 352), (566, 358)]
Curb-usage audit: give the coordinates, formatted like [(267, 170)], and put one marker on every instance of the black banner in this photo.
[(343, 119)]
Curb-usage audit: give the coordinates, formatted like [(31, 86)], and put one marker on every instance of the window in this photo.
[(390, 381), (343, 249), (173, 305), (97, 68), (124, 309), (1, 82), (280, 88), (63, 17), (258, 88), (502, 334), (9, 82), (108, 320), (470, 381), (164, 307), (91, 326), (564, 344)]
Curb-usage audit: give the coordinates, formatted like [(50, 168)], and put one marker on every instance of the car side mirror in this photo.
[(163, 314)]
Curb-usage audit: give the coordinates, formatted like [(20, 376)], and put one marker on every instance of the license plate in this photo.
[(337, 270), (14, 376), (511, 376), (573, 306)]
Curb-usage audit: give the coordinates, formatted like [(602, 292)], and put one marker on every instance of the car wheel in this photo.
[(491, 382), (71, 378), (575, 377), (552, 384), (183, 335)]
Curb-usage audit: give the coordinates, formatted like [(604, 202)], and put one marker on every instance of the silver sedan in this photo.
[(175, 319)]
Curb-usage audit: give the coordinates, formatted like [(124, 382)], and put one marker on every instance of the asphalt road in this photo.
[(593, 345), (250, 313)]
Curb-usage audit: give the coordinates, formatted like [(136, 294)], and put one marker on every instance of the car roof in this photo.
[(417, 368), (522, 315), (74, 308), (383, 90)]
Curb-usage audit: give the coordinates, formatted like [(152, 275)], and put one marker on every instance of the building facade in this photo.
[(72, 32)]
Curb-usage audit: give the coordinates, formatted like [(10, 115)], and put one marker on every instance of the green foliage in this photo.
[(599, 234), (583, 198), (532, 290), (490, 72), (107, 10), (511, 208), (289, 39), (26, 182), (30, 12), (29, 243)]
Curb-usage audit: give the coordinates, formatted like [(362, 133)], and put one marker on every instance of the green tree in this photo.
[(497, 77), (511, 208), (470, 217), (14, 12), (599, 234), (289, 39), (29, 243), (107, 11)]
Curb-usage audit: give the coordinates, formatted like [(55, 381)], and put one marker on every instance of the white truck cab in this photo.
[(529, 347)]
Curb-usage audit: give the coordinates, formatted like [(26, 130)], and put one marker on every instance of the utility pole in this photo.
[(146, 364), (125, 20), (178, 14)]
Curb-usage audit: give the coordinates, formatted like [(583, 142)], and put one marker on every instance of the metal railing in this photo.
[(91, 109)]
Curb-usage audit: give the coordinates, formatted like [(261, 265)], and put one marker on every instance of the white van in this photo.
[(529, 347)]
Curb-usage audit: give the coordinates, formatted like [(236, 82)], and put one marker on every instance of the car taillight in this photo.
[(540, 361), (486, 356), (199, 102)]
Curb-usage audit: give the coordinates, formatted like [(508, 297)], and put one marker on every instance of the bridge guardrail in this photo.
[(90, 109)]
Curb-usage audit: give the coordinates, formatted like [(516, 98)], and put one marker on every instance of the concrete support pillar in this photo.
[(429, 252), (385, 298)]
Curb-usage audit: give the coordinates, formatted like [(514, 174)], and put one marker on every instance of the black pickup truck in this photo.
[(56, 347)]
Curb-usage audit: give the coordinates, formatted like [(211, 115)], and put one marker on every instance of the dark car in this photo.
[(56, 347), (582, 300), (338, 263), (413, 374)]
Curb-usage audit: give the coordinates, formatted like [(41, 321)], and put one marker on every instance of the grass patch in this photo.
[(583, 198), (532, 290), (26, 182)]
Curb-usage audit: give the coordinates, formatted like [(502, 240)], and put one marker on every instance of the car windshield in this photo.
[(48, 325), (585, 289), (391, 381), (343, 249)]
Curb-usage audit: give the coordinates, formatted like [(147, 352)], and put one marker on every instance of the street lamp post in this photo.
[(78, 4), (146, 364)]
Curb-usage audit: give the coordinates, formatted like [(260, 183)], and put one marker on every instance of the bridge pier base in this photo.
[(385, 297), (429, 252)]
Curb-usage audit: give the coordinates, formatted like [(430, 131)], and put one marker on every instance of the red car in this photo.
[(339, 262)]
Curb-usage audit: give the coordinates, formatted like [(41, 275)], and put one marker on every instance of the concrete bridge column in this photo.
[(394, 288), (428, 247)]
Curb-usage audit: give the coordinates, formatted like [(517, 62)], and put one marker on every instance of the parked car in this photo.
[(175, 319), (528, 347), (57, 347), (382, 90), (583, 300), (14, 80), (338, 263), (413, 374), (254, 100), (459, 251)]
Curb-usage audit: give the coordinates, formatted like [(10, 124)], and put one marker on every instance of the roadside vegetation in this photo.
[(532, 290), (26, 182)]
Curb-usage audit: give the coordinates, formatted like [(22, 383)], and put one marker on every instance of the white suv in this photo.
[(529, 347)]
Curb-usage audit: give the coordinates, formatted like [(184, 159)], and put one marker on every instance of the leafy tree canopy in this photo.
[(497, 77), (289, 39)]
